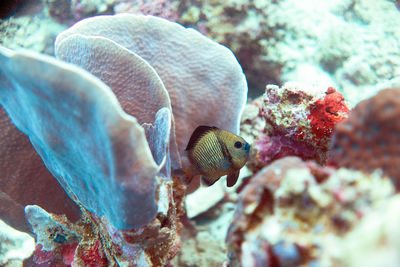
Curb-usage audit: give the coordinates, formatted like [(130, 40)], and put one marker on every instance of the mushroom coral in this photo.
[(107, 127)]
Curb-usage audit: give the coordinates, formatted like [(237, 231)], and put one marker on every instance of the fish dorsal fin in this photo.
[(197, 134)]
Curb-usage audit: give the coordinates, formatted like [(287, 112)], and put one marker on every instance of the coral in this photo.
[(60, 10), (203, 241), (368, 139), (31, 32), (15, 246), (166, 9), (200, 68), (252, 123), (380, 243), (93, 241), (68, 137), (203, 199), (85, 8), (299, 122), (56, 238), (24, 179), (328, 43), (299, 213), (111, 140)]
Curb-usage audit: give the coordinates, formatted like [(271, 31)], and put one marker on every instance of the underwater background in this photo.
[(109, 105)]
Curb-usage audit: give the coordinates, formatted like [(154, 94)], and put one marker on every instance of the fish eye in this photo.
[(238, 144)]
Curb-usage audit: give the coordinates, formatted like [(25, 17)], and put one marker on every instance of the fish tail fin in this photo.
[(184, 175)]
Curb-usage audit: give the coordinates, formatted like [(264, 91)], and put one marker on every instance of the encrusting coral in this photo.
[(111, 140), (15, 246), (328, 42), (369, 138), (299, 122), (297, 213)]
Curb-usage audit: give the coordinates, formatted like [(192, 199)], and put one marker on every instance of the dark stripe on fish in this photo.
[(225, 151), (198, 134)]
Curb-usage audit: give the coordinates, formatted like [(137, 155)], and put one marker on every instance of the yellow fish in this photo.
[(214, 153)]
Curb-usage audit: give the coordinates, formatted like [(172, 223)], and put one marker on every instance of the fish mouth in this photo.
[(247, 147)]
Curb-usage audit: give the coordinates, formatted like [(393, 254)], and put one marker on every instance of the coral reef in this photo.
[(203, 239), (275, 41), (35, 33), (112, 122), (70, 140), (94, 242), (299, 122), (328, 42), (86, 8), (225, 79), (15, 246), (380, 234), (25, 180), (298, 213), (112, 140), (166, 9), (252, 123), (369, 138)]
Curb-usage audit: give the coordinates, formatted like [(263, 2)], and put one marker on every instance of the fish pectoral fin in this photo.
[(232, 178), (225, 164)]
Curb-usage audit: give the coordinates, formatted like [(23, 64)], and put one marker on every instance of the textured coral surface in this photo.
[(114, 158), (35, 184), (296, 213), (15, 246), (369, 138), (325, 42), (194, 70), (299, 122), (290, 213)]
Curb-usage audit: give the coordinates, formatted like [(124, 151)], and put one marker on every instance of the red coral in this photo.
[(92, 255), (300, 122), (42, 256), (325, 113), (68, 253), (62, 255)]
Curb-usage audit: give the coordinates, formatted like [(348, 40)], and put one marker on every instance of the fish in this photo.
[(214, 153)]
